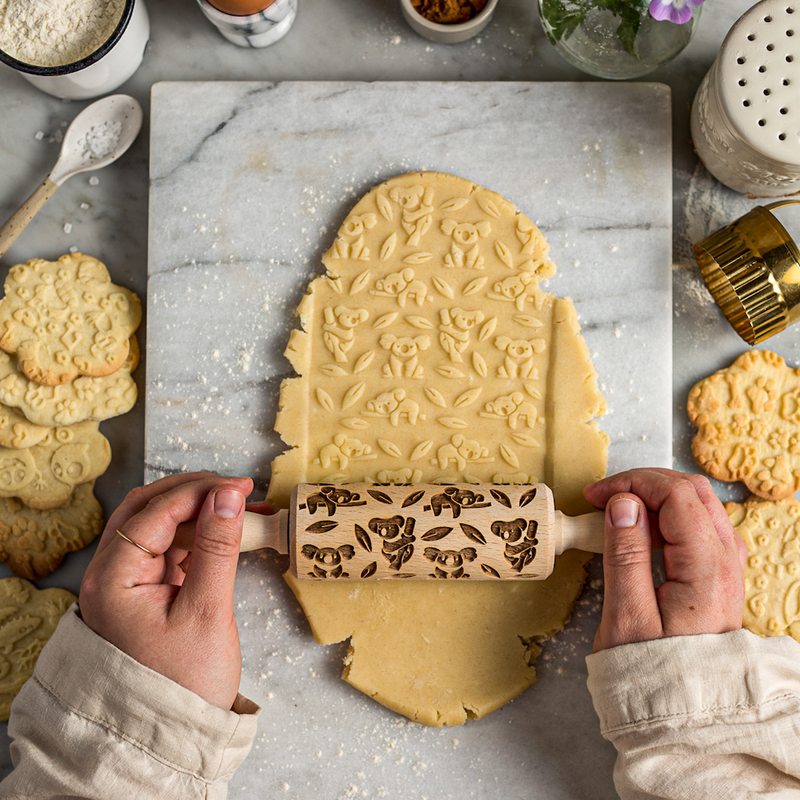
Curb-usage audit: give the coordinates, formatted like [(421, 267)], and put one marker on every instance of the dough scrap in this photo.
[(429, 353), (28, 618), (747, 418), (771, 531)]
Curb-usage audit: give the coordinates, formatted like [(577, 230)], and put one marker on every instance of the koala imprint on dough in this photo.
[(429, 353)]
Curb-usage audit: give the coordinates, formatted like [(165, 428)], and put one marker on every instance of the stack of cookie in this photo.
[(68, 351)]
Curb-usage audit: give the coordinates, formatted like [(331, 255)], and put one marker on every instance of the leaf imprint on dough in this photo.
[(420, 450), (532, 391), (384, 206), (363, 362), (449, 372), (332, 370), (467, 398), (524, 440), (443, 287), (454, 204), (487, 329), (504, 254), (355, 423), (527, 321), (488, 206), (509, 455), (324, 399), (385, 320), (390, 448), (353, 394), (360, 282), (474, 286), (452, 422), (436, 397), (417, 258), (479, 364), (419, 322), (335, 284), (388, 247)]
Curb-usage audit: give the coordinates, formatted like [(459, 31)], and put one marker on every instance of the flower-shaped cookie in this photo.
[(66, 318), (33, 543), (44, 476), (748, 421), (771, 531), (28, 618)]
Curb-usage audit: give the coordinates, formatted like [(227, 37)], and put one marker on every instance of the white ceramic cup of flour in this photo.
[(99, 72)]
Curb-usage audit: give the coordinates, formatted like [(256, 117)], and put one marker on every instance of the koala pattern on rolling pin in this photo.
[(425, 349), (748, 424)]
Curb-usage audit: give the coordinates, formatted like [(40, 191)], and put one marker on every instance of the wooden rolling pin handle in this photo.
[(584, 532), (16, 223), (258, 531)]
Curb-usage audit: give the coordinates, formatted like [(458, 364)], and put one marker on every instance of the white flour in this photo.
[(50, 33)]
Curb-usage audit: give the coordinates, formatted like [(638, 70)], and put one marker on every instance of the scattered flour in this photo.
[(50, 33)]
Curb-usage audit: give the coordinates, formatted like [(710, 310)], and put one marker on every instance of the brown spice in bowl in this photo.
[(448, 12)]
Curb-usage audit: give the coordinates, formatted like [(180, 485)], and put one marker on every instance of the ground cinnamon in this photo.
[(448, 12)]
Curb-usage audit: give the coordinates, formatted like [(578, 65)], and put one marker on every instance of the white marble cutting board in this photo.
[(249, 182)]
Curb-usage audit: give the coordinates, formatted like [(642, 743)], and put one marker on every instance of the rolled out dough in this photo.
[(429, 353)]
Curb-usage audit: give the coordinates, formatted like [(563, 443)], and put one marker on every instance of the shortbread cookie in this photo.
[(81, 399), (28, 618), (16, 431), (748, 421), (33, 543), (44, 476), (771, 531), (66, 318), (429, 353)]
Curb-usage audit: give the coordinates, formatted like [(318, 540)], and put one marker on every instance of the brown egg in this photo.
[(240, 8)]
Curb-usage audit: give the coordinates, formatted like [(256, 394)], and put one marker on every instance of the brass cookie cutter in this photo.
[(752, 268)]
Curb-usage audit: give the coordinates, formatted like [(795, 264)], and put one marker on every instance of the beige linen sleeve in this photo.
[(710, 716), (94, 723)]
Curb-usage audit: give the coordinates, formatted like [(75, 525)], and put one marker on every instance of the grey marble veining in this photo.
[(249, 182), (350, 747)]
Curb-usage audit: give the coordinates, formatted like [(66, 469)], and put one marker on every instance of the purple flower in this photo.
[(677, 11)]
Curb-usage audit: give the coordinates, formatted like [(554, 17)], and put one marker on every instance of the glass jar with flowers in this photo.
[(619, 39)]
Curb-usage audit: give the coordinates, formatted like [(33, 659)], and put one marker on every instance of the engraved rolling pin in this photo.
[(420, 531)]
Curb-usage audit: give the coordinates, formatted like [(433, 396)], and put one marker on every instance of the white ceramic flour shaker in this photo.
[(746, 114)]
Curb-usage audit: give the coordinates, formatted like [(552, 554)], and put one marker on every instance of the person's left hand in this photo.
[(180, 625)]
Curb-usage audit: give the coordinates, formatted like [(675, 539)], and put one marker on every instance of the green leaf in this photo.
[(561, 20)]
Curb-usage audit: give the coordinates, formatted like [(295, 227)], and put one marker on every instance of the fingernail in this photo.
[(624, 512), (228, 503)]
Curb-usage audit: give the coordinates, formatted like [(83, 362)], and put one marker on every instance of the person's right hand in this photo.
[(703, 558)]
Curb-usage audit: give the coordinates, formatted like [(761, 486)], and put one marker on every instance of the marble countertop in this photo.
[(358, 41)]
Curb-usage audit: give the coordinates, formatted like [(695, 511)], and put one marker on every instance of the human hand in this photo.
[(703, 558), (179, 624)]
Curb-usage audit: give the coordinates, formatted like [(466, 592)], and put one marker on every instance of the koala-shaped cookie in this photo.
[(519, 354), (513, 407), (67, 318), (338, 329), (45, 475)]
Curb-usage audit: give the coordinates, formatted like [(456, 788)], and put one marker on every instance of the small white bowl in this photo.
[(253, 30), (100, 72), (447, 34)]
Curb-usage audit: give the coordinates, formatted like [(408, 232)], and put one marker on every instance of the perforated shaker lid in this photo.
[(759, 79)]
